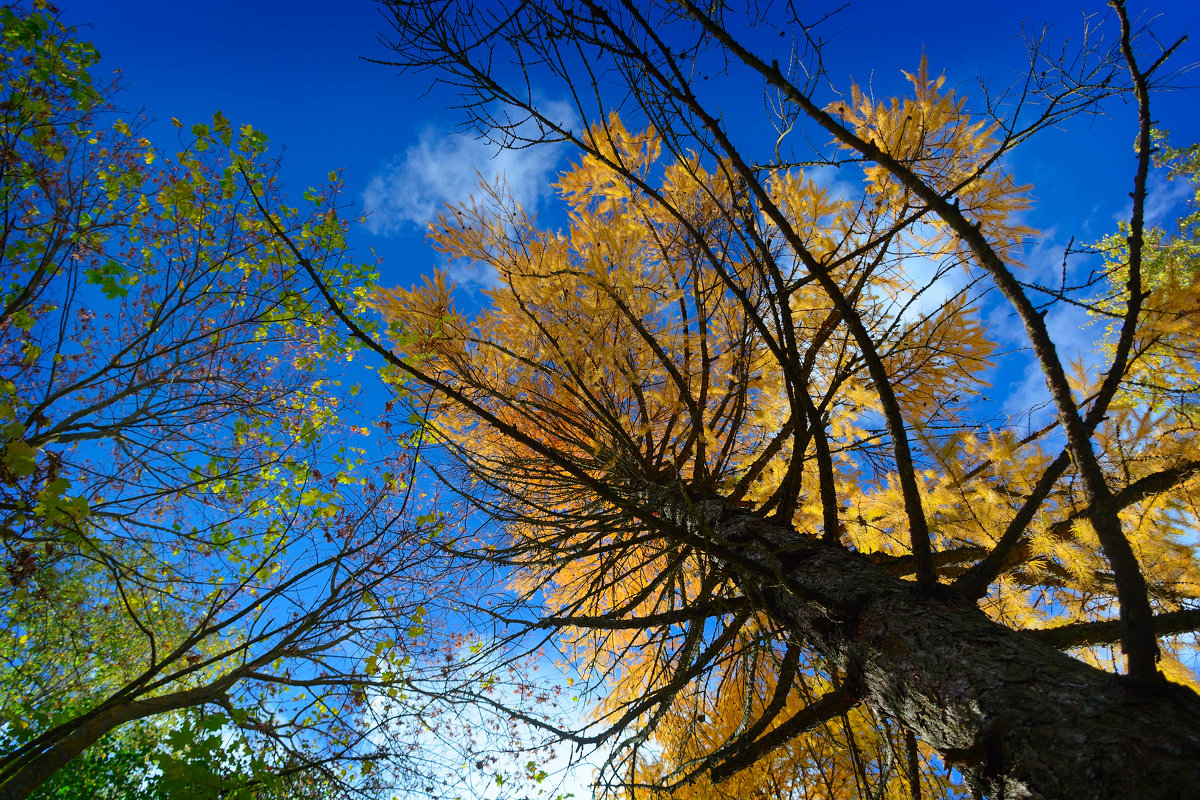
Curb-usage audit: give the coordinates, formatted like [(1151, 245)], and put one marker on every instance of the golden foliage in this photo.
[(670, 338)]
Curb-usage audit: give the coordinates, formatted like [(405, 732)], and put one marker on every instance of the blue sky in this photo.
[(296, 71)]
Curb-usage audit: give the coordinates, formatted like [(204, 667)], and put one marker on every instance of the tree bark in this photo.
[(1016, 717), (38, 769)]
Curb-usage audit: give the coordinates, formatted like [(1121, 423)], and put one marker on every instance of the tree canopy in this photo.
[(730, 417), (207, 577), (736, 445)]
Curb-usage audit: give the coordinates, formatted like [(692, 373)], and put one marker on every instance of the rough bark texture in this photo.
[(1019, 718), (25, 780)]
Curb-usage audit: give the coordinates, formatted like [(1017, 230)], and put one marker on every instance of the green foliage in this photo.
[(182, 517), (119, 766), (1164, 376)]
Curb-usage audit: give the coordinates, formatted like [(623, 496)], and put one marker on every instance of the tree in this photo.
[(204, 575), (731, 441), (1164, 373)]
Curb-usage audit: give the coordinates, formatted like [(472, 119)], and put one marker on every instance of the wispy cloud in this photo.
[(1164, 198), (443, 168), (1078, 336), (1077, 339)]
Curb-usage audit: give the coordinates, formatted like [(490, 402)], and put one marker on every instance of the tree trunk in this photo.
[(1016, 717), (25, 779)]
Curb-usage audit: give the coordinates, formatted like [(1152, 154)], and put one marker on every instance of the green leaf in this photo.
[(20, 458)]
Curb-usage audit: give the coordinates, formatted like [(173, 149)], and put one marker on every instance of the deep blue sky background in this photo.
[(296, 71)]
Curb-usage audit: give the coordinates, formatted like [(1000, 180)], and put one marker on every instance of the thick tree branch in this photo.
[(833, 704), (1086, 634)]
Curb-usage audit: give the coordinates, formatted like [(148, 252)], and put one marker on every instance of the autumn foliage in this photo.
[(196, 559), (714, 338), (727, 440)]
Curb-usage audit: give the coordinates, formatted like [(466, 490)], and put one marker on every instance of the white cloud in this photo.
[(1077, 338), (443, 168), (834, 180), (1162, 197), (928, 284), (467, 274)]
